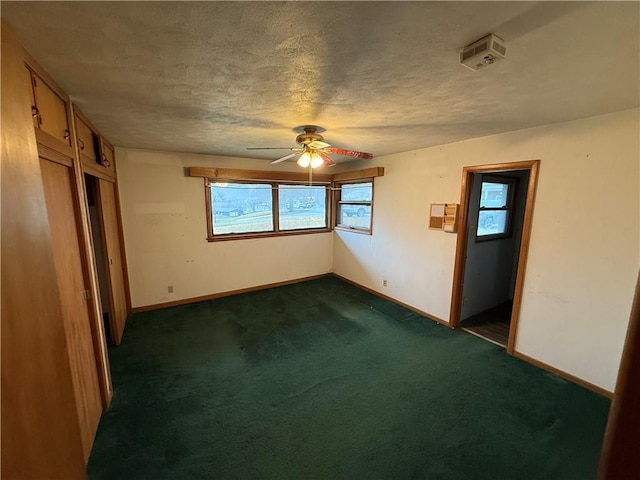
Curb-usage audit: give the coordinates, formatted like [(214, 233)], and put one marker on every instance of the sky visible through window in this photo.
[(491, 219)]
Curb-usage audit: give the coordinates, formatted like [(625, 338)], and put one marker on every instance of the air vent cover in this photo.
[(483, 52)]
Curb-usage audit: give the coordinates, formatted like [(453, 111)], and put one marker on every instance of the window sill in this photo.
[(246, 236), (361, 231), (488, 238)]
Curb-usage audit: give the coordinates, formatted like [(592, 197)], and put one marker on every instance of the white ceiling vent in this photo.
[(483, 52)]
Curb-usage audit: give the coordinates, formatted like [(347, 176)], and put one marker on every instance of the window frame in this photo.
[(275, 210), (337, 188), (509, 207)]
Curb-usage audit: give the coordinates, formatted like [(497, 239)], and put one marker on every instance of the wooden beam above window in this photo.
[(302, 176), (237, 174), (359, 174)]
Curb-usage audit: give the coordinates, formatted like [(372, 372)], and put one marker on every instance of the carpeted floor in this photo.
[(321, 380)]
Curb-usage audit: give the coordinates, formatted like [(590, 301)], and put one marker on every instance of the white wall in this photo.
[(165, 232), (585, 239)]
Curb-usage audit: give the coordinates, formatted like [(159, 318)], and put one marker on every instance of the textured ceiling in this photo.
[(380, 77)]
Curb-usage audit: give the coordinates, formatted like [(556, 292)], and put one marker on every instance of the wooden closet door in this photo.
[(65, 230), (108, 211)]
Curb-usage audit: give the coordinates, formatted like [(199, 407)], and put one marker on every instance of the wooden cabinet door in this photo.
[(108, 156), (50, 111), (111, 234), (65, 231), (86, 139)]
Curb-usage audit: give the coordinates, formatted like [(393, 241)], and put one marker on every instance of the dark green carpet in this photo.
[(322, 380)]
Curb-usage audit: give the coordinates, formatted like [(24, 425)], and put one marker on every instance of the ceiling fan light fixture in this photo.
[(310, 157), (316, 160), (304, 160)]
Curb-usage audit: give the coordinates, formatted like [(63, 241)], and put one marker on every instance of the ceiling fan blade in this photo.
[(318, 144), (271, 148), (286, 157), (328, 161), (349, 153)]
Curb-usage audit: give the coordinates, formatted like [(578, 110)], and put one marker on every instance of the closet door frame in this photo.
[(86, 245), (116, 329)]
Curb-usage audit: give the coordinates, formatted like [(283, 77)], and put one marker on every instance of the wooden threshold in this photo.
[(228, 293), (479, 335)]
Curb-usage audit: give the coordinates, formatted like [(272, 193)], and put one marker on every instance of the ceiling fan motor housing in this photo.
[(309, 136)]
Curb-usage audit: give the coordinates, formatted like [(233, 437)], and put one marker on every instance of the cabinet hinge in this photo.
[(35, 83), (85, 294)]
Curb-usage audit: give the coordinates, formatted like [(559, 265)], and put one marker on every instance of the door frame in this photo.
[(461, 245)]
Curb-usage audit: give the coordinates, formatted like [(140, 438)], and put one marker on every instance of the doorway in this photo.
[(99, 251), (109, 255), (491, 251)]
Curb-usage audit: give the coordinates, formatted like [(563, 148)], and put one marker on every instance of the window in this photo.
[(264, 208), (245, 204), (496, 208), (241, 208), (354, 206), (302, 207)]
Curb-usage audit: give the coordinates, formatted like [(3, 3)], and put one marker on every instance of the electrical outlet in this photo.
[(170, 288), (384, 283)]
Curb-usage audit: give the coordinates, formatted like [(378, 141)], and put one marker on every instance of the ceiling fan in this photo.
[(313, 150)]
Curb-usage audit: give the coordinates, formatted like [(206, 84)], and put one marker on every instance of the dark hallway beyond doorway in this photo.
[(492, 324)]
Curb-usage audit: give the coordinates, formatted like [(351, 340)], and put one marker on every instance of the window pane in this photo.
[(492, 222), (241, 208), (354, 215), (302, 207), (354, 192), (494, 195)]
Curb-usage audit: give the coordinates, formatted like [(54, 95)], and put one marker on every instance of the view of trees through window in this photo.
[(248, 207)]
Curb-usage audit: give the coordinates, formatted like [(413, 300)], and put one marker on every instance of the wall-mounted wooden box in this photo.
[(444, 216)]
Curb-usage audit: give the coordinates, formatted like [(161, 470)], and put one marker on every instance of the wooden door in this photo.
[(107, 204), (65, 230)]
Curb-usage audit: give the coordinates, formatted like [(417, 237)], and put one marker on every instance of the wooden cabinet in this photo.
[(50, 111), (68, 146), (40, 434), (96, 153)]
